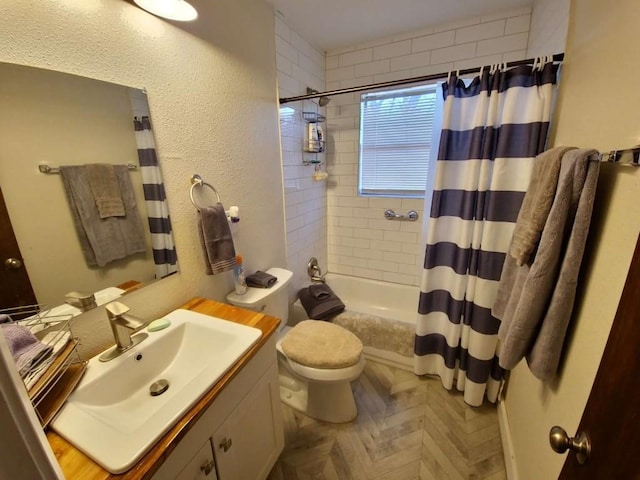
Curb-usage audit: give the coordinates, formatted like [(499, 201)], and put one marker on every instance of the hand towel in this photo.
[(536, 204), (323, 308), (105, 189), (58, 340), (25, 348), (216, 240), (103, 240), (535, 302), (261, 280)]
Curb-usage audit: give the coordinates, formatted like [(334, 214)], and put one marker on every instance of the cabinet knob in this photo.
[(225, 444), (207, 467)]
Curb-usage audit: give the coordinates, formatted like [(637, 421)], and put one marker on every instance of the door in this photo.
[(15, 286), (611, 418)]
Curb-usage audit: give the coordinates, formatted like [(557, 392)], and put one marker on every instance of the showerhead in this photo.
[(322, 101)]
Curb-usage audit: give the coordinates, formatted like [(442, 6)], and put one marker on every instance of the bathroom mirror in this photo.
[(57, 119)]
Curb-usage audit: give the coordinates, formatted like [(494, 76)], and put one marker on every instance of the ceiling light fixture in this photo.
[(178, 10)]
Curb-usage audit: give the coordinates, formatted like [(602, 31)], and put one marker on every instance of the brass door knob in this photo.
[(12, 263), (560, 442)]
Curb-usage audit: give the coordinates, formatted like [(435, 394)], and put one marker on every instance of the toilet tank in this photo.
[(272, 301)]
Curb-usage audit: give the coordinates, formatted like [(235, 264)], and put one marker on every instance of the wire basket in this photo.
[(52, 375)]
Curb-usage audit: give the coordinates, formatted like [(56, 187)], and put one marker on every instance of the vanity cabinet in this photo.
[(240, 434), (246, 446), (201, 466)]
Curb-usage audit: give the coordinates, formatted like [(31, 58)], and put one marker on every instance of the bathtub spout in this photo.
[(313, 270)]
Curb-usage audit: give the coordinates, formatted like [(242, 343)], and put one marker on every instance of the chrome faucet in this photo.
[(313, 270), (123, 327), (83, 301)]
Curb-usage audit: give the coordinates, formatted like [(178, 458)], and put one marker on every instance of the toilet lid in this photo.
[(320, 344)]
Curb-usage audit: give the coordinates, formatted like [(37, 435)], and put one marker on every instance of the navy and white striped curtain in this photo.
[(491, 132), (164, 250)]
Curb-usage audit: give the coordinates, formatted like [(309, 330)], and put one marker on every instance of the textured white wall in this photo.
[(212, 95), (300, 65), (361, 241), (601, 49)]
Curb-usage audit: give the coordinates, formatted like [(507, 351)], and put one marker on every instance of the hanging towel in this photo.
[(535, 301), (536, 204), (320, 302), (103, 240), (261, 280), (27, 351), (216, 240), (105, 189)]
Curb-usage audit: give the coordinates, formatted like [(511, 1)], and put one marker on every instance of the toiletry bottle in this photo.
[(238, 276), (320, 139)]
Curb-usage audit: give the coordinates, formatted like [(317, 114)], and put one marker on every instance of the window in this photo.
[(396, 129)]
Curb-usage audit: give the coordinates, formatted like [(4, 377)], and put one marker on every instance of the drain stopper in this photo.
[(159, 387)]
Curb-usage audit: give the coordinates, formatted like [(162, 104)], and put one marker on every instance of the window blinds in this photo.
[(395, 141)]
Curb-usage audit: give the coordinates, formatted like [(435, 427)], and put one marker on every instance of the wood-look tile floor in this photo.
[(408, 428)]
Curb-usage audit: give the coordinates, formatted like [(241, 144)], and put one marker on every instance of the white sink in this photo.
[(112, 417)]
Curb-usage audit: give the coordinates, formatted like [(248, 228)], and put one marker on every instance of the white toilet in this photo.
[(321, 358)]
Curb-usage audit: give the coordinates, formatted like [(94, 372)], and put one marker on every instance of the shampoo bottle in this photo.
[(238, 277)]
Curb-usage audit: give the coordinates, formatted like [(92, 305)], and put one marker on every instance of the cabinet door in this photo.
[(247, 444), (201, 466)]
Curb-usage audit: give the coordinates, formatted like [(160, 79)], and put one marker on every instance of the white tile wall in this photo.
[(300, 65), (360, 241), (549, 25)]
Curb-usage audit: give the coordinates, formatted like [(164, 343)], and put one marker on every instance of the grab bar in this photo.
[(411, 215)]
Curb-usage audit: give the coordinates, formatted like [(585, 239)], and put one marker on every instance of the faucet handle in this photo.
[(116, 309)]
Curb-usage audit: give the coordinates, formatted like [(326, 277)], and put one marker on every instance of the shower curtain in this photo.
[(164, 251), (492, 130)]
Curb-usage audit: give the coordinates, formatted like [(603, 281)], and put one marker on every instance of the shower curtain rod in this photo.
[(558, 57)]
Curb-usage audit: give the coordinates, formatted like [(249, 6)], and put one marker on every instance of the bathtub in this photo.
[(381, 314)]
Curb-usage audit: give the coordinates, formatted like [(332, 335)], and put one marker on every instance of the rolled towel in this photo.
[(261, 280), (27, 351), (320, 302)]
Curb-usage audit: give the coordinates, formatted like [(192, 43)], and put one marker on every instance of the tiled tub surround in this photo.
[(361, 242), (300, 65)]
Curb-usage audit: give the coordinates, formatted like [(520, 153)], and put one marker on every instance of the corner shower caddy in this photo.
[(310, 154), (49, 393)]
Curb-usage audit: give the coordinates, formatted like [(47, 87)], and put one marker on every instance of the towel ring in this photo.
[(196, 181)]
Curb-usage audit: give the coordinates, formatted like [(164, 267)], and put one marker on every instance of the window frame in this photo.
[(418, 90)]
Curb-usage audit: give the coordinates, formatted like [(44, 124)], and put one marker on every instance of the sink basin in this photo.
[(112, 416)]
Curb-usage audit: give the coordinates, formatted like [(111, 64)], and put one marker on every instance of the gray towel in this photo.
[(535, 301), (105, 189), (216, 240), (536, 204), (261, 280), (27, 351), (103, 240), (320, 302)]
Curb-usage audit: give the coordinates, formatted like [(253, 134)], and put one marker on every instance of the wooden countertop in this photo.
[(76, 465)]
